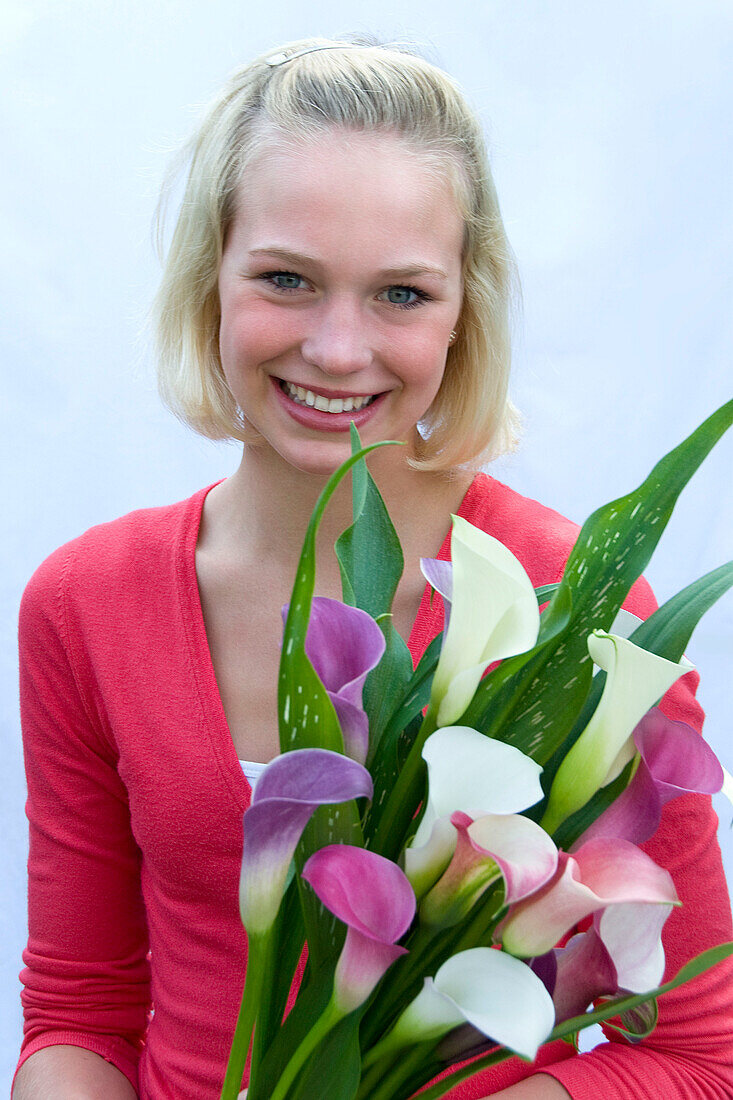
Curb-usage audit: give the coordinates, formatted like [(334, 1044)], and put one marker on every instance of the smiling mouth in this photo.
[(302, 396)]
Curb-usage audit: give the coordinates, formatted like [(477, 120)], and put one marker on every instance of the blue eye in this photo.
[(282, 280), (405, 296)]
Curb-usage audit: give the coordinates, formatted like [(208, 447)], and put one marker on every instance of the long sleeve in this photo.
[(86, 973)]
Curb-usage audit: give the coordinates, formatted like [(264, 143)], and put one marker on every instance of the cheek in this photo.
[(254, 335)]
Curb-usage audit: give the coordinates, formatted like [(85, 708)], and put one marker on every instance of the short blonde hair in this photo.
[(358, 85)]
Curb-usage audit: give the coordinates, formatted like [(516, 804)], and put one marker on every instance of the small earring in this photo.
[(452, 337)]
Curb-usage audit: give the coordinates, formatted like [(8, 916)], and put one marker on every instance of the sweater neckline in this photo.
[(428, 622)]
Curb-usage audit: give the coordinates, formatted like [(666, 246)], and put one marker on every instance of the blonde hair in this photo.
[(300, 91)]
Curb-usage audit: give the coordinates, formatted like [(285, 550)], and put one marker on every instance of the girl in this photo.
[(339, 256)]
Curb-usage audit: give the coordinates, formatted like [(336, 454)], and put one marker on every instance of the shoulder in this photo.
[(540, 537), (121, 556)]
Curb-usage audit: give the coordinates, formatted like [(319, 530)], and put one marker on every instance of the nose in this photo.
[(337, 340)]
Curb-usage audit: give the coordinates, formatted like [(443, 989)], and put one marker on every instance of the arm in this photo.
[(538, 1087), (86, 977), (70, 1073)]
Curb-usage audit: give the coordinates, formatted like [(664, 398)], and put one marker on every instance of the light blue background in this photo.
[(610, 133)]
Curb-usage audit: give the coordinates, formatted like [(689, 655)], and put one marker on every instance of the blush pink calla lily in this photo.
[(372, 896), (674, 760), (603, 872), (288, 791), (506, 846), (344, 644)]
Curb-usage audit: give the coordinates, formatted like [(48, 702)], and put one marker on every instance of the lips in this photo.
[(329, 410), (325, 402)]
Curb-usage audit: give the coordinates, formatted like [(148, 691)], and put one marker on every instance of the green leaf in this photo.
[(670, 628), (307, 719), (369, 552), (334, 1069), (387, 683), (613, 547), (312, 999), (371, 563), (397, 739)]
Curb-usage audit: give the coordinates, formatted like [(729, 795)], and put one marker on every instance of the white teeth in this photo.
[(302, 396)]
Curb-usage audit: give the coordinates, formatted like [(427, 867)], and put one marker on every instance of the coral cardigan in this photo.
[(135, 803)]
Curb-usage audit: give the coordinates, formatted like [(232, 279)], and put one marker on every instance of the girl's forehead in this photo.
[(367, 194)]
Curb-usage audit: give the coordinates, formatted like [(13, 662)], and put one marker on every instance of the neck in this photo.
[(265, 506)]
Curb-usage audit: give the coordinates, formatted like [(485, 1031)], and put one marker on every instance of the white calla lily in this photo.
[(494, 614), (494, 992), (635, 680), (467, 771)]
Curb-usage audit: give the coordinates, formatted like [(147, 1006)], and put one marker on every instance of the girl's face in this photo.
[(339, 285)]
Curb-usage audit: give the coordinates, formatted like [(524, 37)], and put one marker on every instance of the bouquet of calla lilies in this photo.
[(432, 833)]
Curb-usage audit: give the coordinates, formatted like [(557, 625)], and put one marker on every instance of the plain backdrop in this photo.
[(609, 128)]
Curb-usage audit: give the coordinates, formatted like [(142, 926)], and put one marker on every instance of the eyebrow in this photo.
[(409, 271)]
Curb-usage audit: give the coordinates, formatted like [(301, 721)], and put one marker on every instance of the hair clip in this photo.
[(290, 55)]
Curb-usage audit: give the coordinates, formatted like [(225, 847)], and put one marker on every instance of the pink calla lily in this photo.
[(603, 872), (373, 897), (674, 760), (490, 847), (290, 788), (344, 644), (621, 952)]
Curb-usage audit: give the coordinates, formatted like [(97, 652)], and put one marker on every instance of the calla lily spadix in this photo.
[(372, 896), (470, 772), (603, 872), (674, 760), (497, 994), (288, 791), (506, 846), (344, 644), (493, 614), (635, 680)]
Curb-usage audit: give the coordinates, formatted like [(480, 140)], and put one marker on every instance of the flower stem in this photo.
[(327, 1020), (403, 801), (411, 1060), (253, 982)]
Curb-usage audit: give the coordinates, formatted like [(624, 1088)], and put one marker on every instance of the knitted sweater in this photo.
[(135, 806)]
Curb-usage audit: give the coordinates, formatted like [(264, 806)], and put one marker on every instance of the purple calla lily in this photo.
[(674, 760), (344, 644), (439, 575), (373, 897), (620, 953), (290, 788)]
